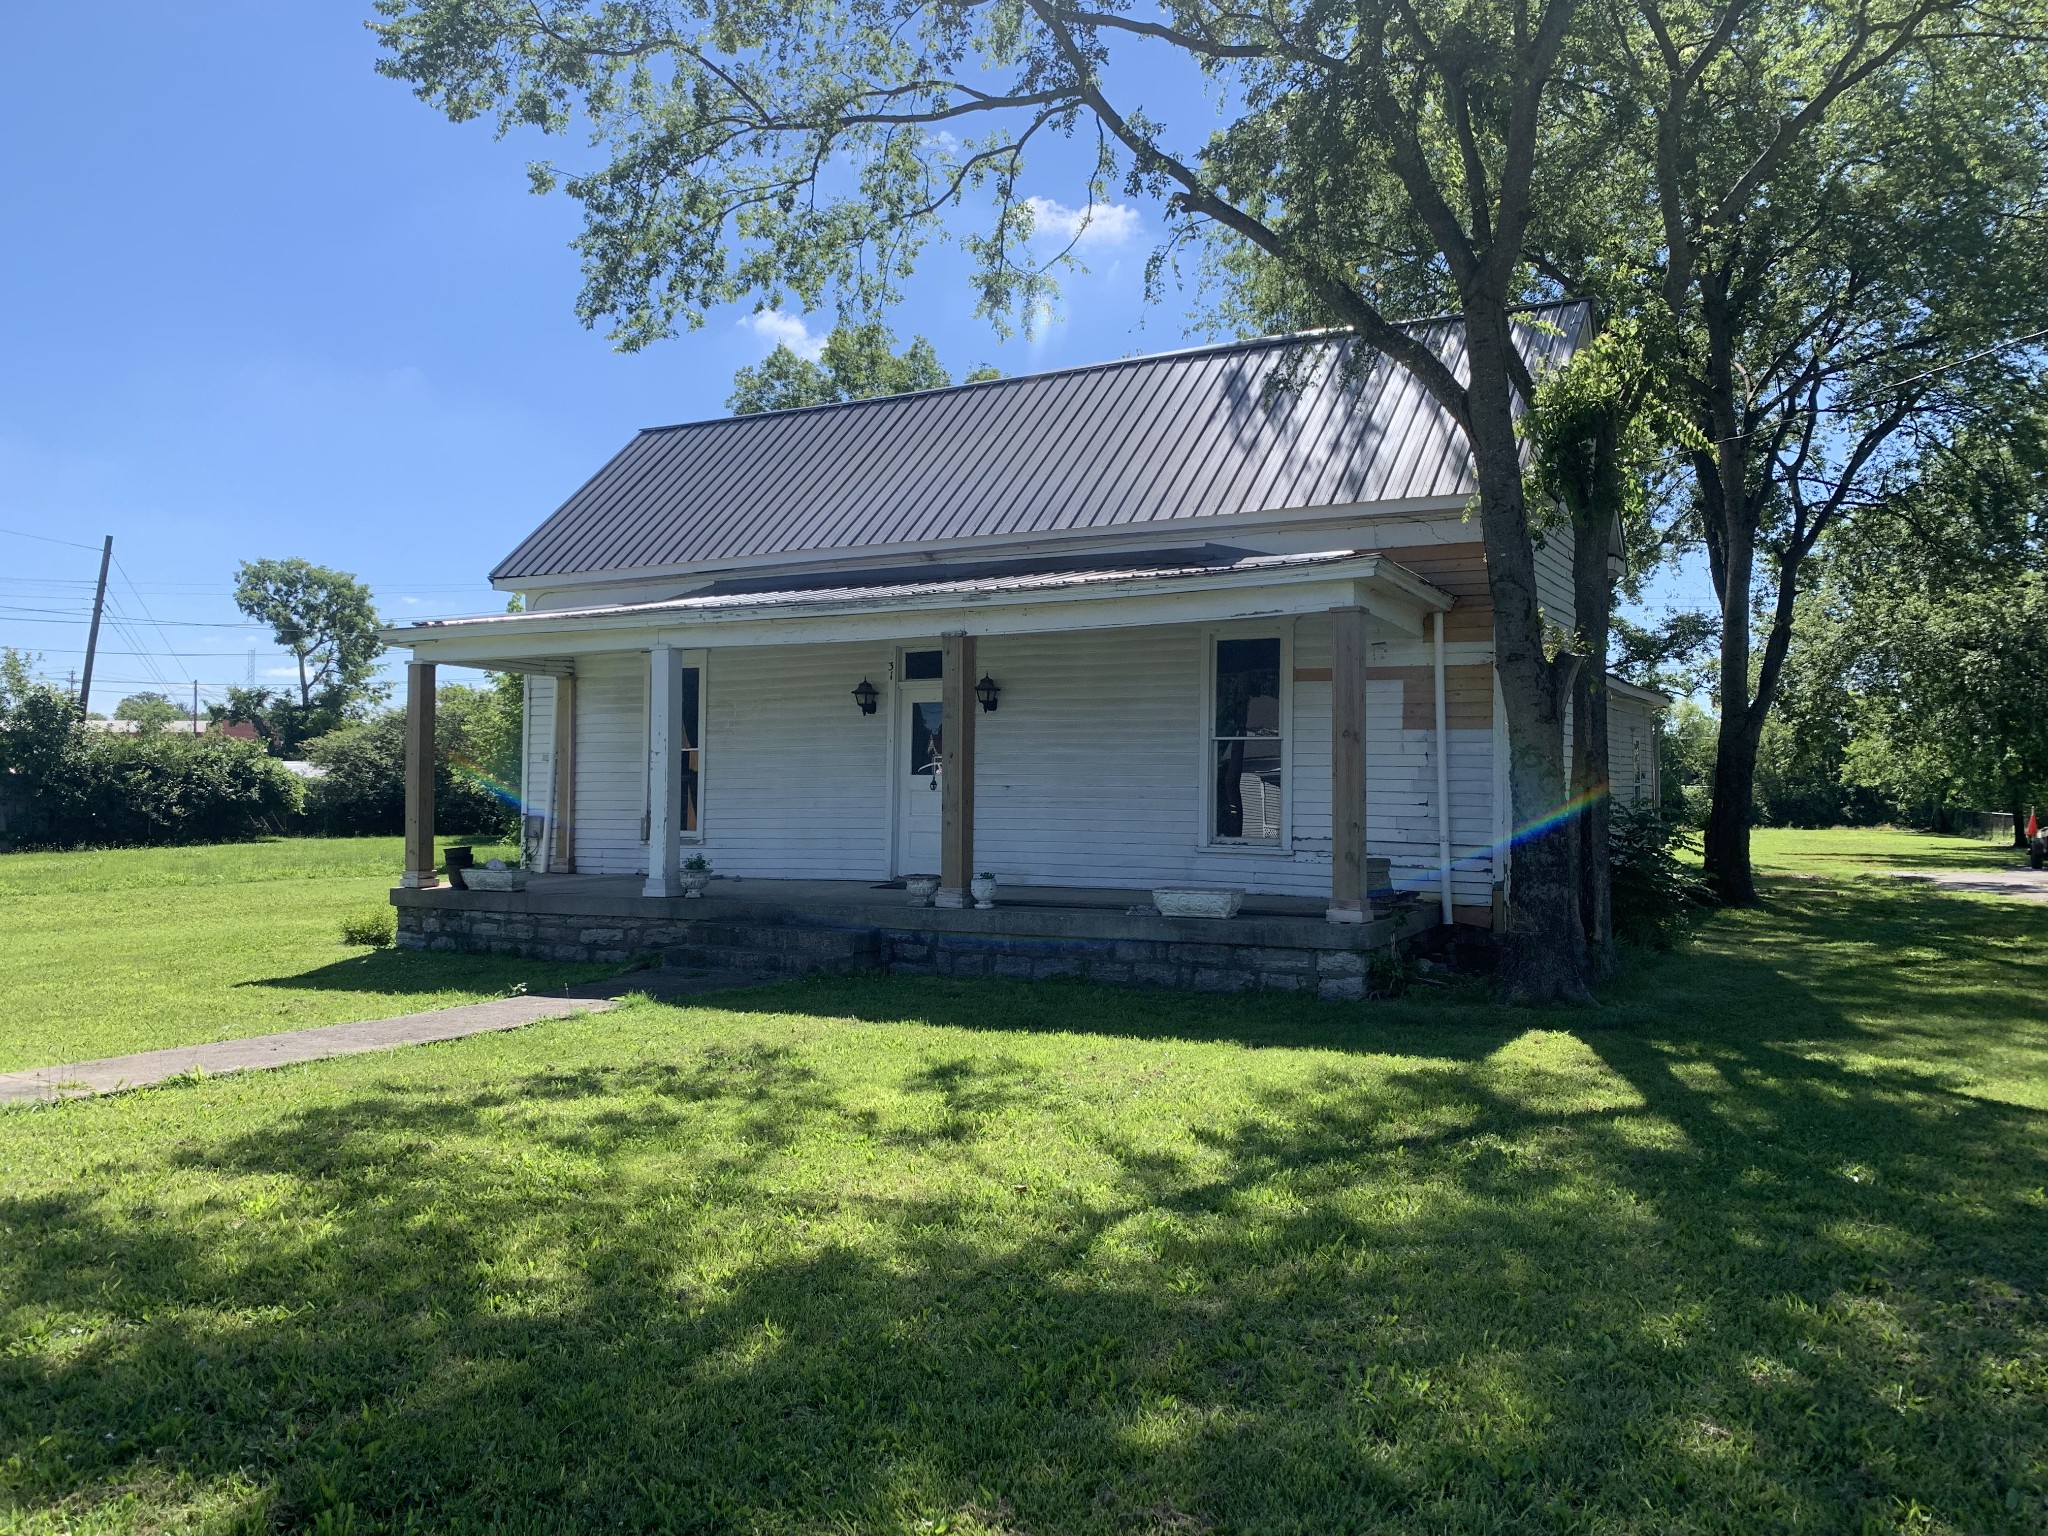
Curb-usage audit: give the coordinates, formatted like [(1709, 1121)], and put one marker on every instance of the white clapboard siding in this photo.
[(610, 767), (1631, 750), (796, 778), (1554, 591), (1090, 773)]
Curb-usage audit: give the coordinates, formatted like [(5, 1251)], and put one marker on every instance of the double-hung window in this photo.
[(1248, 743)]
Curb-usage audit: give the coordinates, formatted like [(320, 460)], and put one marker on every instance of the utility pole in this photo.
[(92, 636), (195, 708)]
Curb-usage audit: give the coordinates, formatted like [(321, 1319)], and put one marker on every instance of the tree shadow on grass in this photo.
[(403, 972), (1624, 1280)]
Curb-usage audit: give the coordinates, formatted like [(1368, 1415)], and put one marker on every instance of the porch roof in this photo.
[(1013, 602)]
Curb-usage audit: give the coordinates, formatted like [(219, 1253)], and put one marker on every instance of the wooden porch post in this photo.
[(562, 823), (1347, 765), (956, 776), (664, 773), (419, 776)]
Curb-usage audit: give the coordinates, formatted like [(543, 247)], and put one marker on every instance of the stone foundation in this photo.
[(1236, 955)]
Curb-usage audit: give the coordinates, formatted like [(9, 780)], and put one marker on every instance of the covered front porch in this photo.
[(788, 927), (1200, 724)]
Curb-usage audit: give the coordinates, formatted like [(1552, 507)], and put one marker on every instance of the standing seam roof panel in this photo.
[(1177, 437)]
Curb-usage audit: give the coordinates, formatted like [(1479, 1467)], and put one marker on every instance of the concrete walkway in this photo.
[(2020, 884), (111, 1074)]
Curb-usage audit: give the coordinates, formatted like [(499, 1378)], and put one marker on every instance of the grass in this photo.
[(132, 949), (1866, 850), (1761, 1245)]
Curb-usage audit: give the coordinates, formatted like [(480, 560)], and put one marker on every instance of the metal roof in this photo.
[(1251, 426)]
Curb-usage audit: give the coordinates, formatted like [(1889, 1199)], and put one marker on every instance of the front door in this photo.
[(918, 797)]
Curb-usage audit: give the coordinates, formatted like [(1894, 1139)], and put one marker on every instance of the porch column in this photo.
[(956, 773), (664, 772), (1347, 765), (419, 776)]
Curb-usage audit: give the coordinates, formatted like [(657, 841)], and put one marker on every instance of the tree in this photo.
[(858, 362), (1845, 208), (152, 711), (325, 618), (1369, 155)]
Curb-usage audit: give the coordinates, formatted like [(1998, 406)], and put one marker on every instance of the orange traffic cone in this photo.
[(2033, 826)]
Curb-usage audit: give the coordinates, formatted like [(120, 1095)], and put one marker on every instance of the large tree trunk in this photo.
[(1592, 773), (1731, 549), (1542, 950)]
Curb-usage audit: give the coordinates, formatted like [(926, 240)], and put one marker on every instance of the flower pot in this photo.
[(983, 889), (1194, 901), (694, 881), (922, 888), (494, 879)]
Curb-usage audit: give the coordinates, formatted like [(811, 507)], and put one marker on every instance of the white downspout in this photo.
[(1443, 779)]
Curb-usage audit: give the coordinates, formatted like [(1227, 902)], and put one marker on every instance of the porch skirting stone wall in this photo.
[(1239, 955)]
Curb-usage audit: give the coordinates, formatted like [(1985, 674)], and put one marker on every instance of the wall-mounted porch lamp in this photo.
[(986, 691), (865, 697)]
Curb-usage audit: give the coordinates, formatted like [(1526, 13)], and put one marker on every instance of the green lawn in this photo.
[(1860, 850), (128, 950), (1762, 1245)]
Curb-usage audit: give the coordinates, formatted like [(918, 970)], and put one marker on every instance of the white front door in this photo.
[(919, 720)]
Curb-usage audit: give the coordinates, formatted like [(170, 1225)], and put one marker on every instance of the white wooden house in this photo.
[(1206, 599)]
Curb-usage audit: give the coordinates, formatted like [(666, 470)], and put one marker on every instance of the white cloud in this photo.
[(784, 330), (1103, 225)]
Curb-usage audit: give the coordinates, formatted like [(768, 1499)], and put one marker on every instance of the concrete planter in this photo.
[(983, 889), (1192, 901), (694, 881), (494, 879), (922, 889)]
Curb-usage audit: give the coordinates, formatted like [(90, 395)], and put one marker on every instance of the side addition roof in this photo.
[(1292, 421)]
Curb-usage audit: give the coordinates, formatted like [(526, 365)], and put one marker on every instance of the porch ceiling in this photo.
[(1256, 586)]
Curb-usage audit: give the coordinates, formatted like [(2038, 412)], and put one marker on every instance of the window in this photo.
[(693, 747), (923, 666), (1247, 743)]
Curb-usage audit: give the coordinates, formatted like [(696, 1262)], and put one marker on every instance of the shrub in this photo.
[(363, 790), (376, 926), (84, 789), (1656, 894)]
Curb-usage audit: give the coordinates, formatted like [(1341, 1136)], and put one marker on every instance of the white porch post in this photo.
[(1443, 777), (1347, 766), (664, 772)]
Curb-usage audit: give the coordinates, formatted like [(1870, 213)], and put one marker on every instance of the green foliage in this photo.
[(858, 363), (376, 926), (1657, 893), (324, 617), (150, 710), (93, 789), (476, 733)]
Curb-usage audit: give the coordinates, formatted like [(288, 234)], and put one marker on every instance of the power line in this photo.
[(44, 538)]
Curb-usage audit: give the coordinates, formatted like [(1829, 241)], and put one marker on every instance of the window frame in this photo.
[(690, 660), (1207, 841)]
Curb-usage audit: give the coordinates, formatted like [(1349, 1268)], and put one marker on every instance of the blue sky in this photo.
[(260, 302)]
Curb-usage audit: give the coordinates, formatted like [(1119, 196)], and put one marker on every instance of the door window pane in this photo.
[(923, 666), (926, 737), (1248, 743)]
